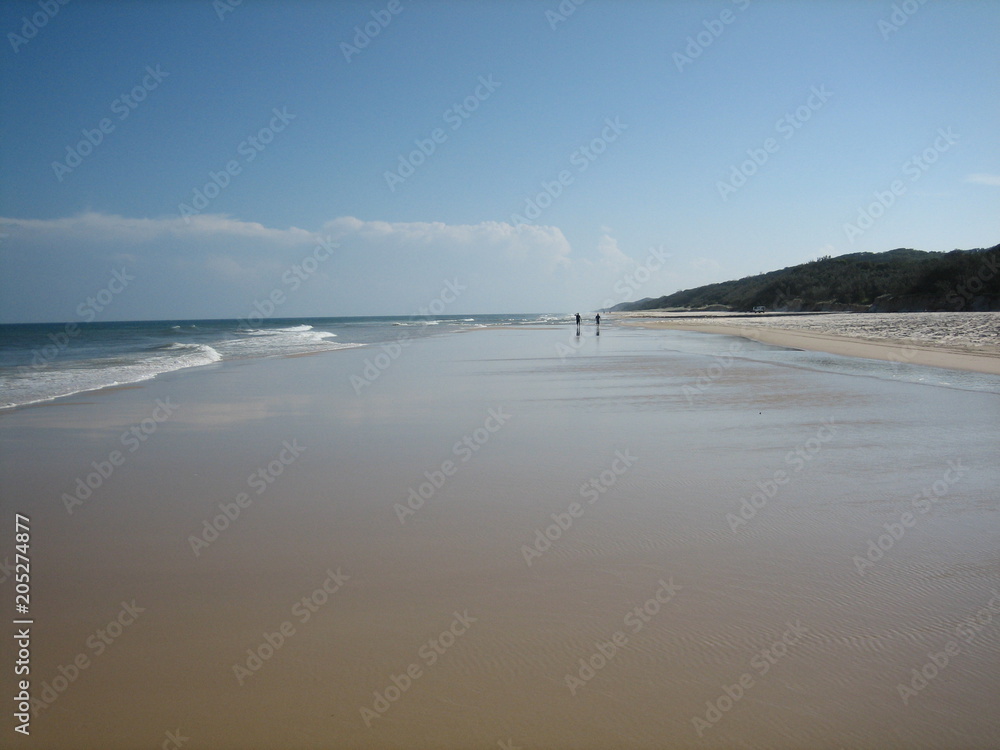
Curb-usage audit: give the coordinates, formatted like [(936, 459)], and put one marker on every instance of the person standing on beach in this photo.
[(578, 324), (597, 318)]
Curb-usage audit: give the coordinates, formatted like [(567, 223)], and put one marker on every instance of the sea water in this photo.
[(43, 361)]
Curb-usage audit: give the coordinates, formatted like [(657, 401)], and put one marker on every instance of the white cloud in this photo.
[(521, 242), (611, 256), (485, 241), (981, 178), (97, 227), (216, 265)]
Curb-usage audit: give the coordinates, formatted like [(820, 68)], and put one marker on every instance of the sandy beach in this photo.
[(515, 538), (961, 341)]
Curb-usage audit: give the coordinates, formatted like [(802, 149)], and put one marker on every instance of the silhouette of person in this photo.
[(597, 318), (578, 324)]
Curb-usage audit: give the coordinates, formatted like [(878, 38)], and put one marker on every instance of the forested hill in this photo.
[(894, 281)]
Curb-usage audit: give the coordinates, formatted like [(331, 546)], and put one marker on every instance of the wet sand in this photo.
[(740, 556)]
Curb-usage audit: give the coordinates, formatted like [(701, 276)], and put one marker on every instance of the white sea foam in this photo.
[(33, 368), (293, 329), (269, 342), (44, 384)]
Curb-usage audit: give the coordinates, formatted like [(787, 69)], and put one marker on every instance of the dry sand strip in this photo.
[(888, 350)]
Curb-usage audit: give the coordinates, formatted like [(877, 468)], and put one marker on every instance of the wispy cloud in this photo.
[(101, 227), (205, 232), (982, 178), (544, 244), (216, 265), (611, 255)]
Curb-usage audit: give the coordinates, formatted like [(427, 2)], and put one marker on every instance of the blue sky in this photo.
[(759, 148)]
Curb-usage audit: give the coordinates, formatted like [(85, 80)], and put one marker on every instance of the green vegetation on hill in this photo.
[(894, 281)]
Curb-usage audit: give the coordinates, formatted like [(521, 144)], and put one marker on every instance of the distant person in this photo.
[(597, 319), (578, 324)]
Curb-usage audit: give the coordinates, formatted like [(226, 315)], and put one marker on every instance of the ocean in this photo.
[(43, 361)]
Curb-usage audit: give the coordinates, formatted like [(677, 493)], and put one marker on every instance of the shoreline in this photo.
[(891, 350)]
